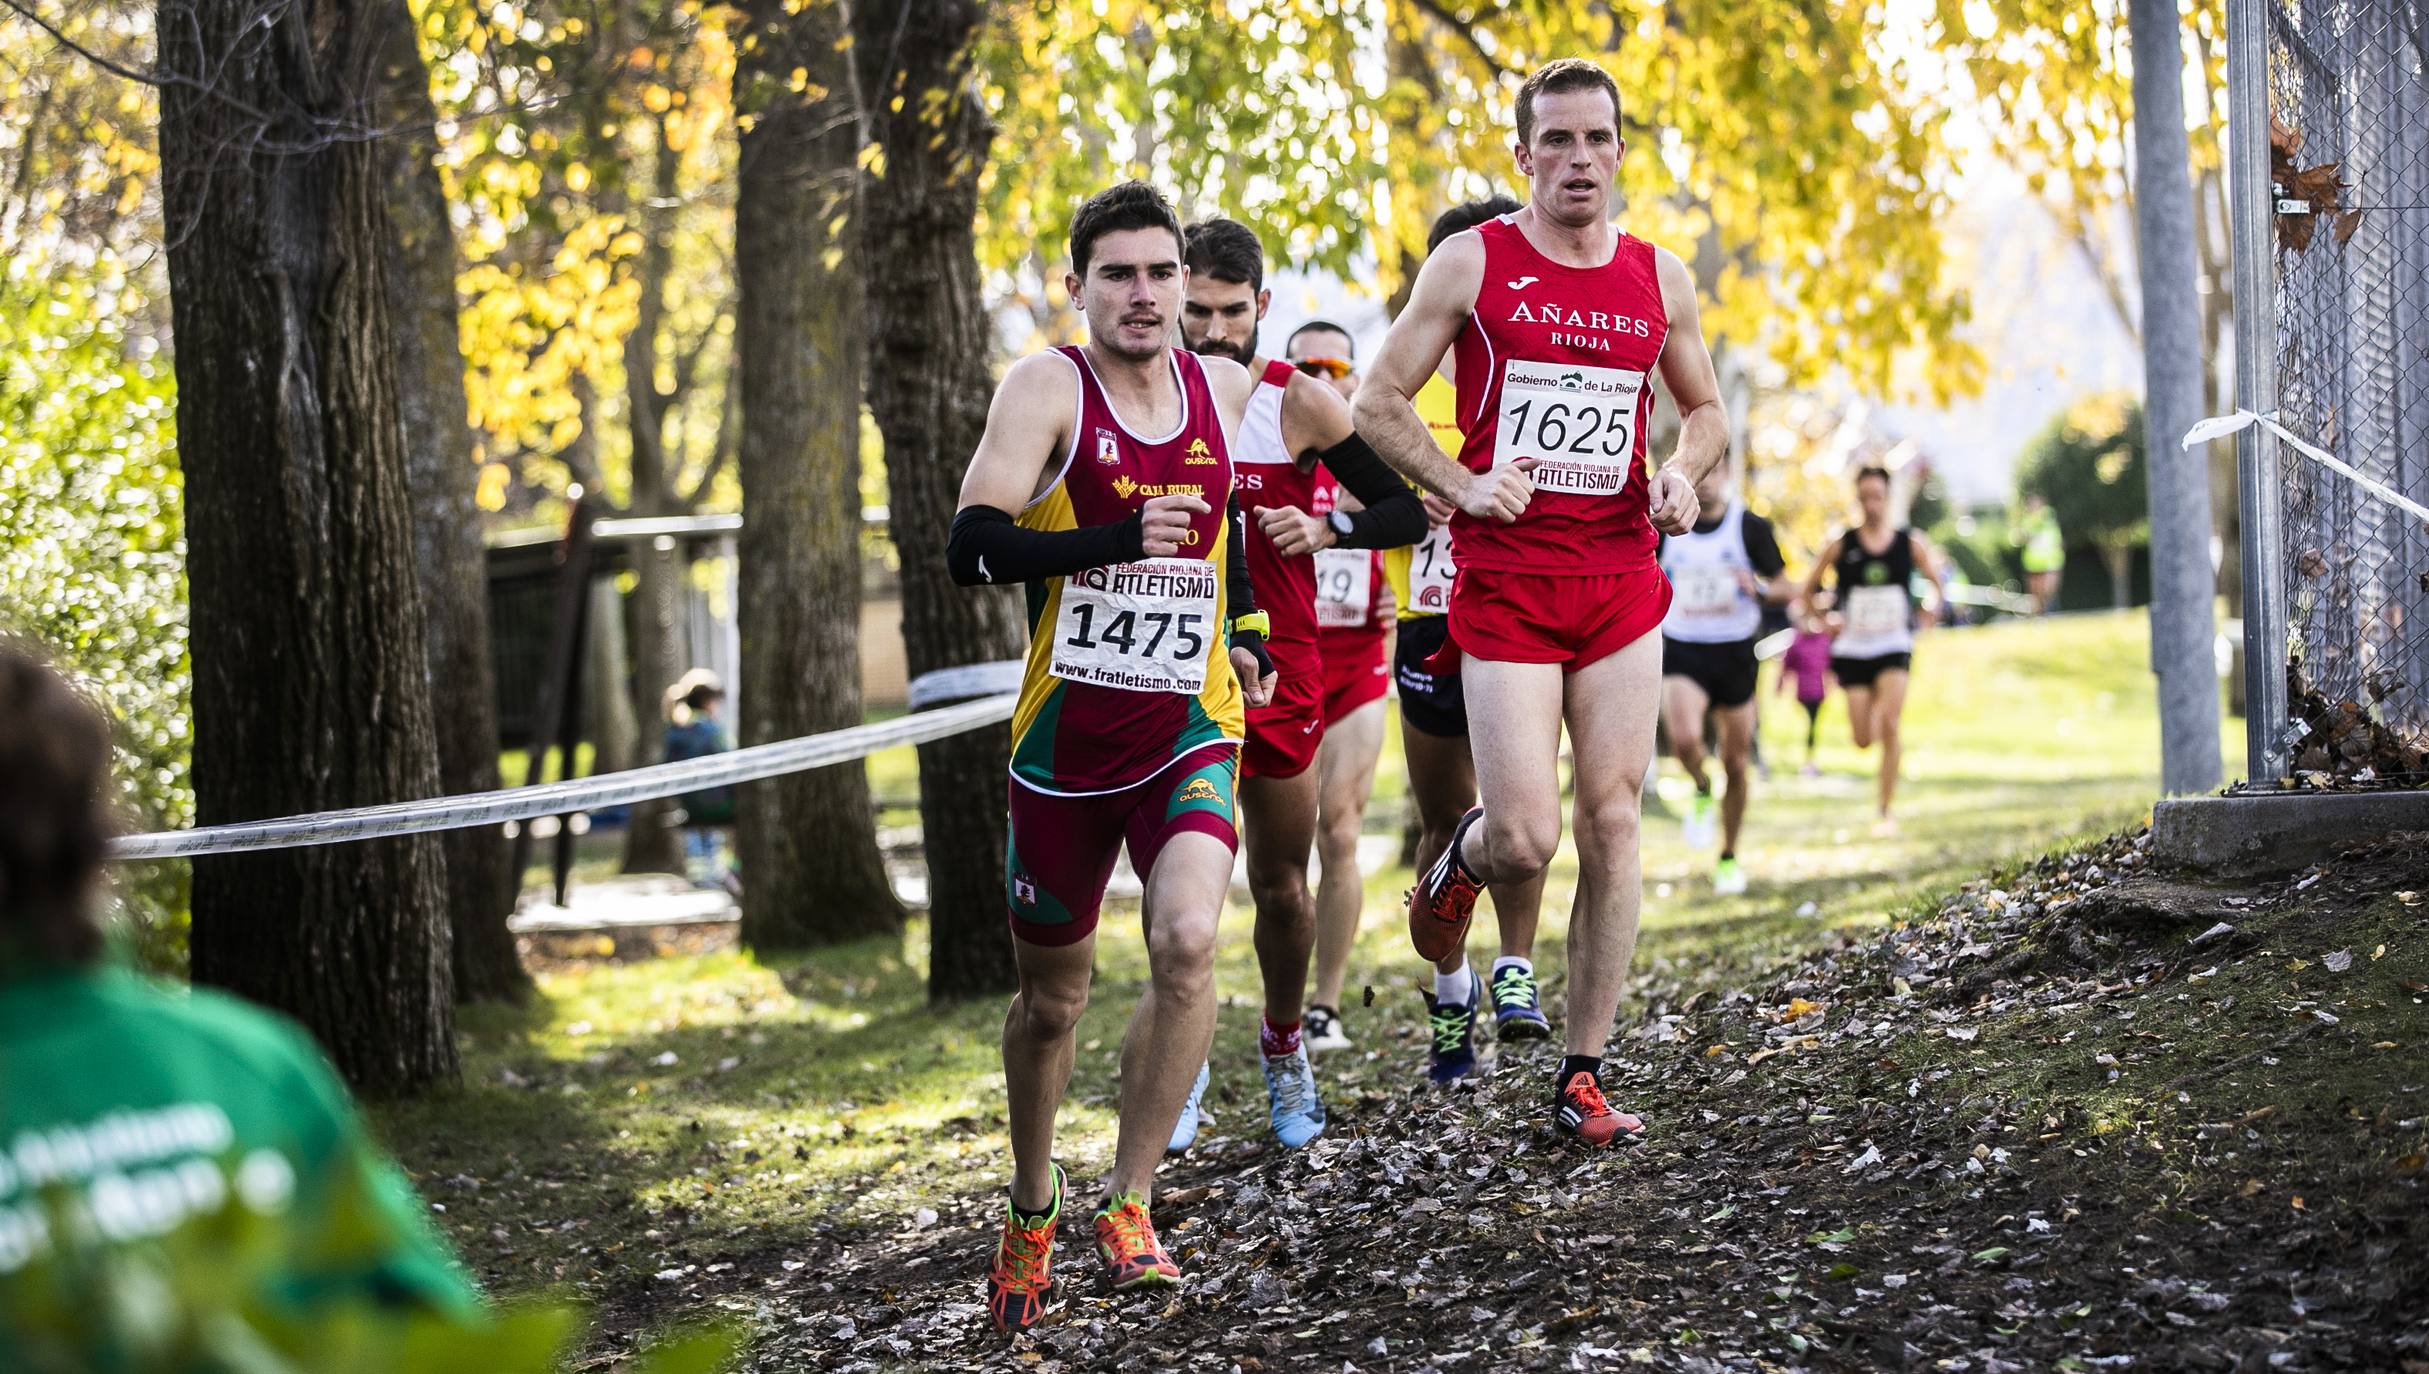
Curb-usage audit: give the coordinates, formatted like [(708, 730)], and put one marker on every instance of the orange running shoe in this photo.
[(1024, 1261), (1444, 900), (1584, 1113), (1126, 1238)]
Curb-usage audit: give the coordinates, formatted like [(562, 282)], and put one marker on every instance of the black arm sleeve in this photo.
[(1762, 546), (1240, 594), (1393, 517), (987, 548)]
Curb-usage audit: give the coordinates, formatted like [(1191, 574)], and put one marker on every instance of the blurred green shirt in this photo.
[(2044, 546), (151, 1107)]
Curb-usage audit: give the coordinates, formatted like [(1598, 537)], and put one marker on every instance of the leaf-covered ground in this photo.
[(2056, 1123), (2026, 1124)]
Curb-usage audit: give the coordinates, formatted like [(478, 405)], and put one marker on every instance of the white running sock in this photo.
[(1455, 988), (1513, 961)]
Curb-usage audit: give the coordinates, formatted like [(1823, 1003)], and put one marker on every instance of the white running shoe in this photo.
[(1185, 1131), (1701, 828), (1322, 1030)]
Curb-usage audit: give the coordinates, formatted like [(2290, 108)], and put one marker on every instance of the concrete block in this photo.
[(2282, 832)]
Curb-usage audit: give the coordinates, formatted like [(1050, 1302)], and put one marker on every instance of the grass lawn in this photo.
[(639, 1117)]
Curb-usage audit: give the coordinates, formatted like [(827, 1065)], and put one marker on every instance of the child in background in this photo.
[(1806, 665), (692, 732)]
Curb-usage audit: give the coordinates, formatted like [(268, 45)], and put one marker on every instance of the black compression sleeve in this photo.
[(987, 548), (1393, 517), (1240, 594), (1238, 590)]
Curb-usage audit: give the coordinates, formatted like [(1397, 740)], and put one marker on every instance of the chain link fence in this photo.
[(2331, 112)]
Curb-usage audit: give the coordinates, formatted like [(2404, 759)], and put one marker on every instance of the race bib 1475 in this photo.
[(1140, 627)]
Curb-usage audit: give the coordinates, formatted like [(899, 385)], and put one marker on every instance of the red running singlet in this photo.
[(1556, 364)]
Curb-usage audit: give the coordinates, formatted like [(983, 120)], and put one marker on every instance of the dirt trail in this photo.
[(2086, 1116)]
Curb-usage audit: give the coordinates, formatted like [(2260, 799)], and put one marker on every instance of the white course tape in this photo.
[(2218, 427), (578, 794), (944, 686)]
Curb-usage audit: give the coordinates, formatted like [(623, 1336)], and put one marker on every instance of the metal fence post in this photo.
[(2263, 552)]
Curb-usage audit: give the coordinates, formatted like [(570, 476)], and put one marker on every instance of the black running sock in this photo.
[(1727, 855), (1572, 1065)]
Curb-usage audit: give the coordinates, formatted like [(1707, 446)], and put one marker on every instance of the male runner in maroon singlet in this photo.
[(1103, 482), (1295, 447), (1559, 321)]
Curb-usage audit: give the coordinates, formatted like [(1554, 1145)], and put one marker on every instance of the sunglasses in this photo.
[(1335, 368)]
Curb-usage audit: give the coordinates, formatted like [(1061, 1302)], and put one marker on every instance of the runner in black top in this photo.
[(1873, 620)]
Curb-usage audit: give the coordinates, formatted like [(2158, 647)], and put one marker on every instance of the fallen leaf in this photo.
[(1798, 1007), (2339, 961)]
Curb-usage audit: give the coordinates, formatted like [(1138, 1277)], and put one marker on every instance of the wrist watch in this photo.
[(1340, 522), (1258, 621)]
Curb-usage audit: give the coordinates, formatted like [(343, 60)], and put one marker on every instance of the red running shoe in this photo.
[(1024, 1261), (1126, 1238), (1584, 1114), (1444, 900)]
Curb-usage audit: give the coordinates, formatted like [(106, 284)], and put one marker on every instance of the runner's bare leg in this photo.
[(1345, 765), (1280, 830), (1038, 1035), (1610, 707), (1173, 1028), (1514, 738)]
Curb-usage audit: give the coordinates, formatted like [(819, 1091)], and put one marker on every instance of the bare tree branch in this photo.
[(1465, 30)]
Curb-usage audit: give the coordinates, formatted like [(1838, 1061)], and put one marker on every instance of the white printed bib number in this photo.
[(1140, 627), (1345, 587), (1706, 591), (1577, 423), (1874, 612), (1430, 573)]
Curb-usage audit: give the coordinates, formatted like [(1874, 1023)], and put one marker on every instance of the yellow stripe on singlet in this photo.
[(1437, 404)]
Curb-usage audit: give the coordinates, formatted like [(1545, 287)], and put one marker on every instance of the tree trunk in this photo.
[(928, 387), (2117, 556), (310, 685), (808, 843), (439, 479), (2183, 609), (609, 724), (650, 843)]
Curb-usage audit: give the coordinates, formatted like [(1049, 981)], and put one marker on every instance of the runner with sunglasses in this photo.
[(1354, 630), (1292, 452)]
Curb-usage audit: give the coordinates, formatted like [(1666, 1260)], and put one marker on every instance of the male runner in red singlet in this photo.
[(1354, 626), (1295, 448), (1103, 482), (1559, 321)]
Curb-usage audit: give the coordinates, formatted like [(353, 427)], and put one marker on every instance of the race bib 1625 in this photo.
[(1578, 423)]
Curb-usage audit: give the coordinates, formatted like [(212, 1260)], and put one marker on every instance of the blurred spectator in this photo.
[(693, 731), (127, 1109), (1806, 667), (2044, 548)]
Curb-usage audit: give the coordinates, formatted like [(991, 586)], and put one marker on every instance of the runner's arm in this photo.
[(1385, 410), (1240, 595), (1813, 580), (1772, 582), (1927, 559), (1315, 417), (1686, 368), (1026, 429)]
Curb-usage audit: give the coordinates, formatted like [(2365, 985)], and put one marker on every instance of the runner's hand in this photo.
[(1926, 617), (1164, 523), (1295, 533), (1438, 512), (1499, 494), (1259, 691), (1673, 504)]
